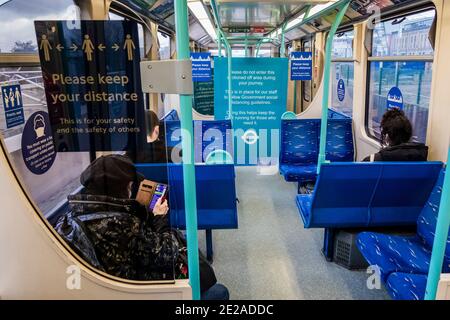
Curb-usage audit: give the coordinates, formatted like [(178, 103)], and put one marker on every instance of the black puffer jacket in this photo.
[(117, 236), (404, 152)]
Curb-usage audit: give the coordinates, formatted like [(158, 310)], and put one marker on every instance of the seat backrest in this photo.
[(208, 136), (375, 194), (426, 223), (299, 141), (172, 115), (216, 193), (340, 145), (211, 136)]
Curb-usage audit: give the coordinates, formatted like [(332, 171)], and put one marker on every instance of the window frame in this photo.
[(403, 58), (344, 60)]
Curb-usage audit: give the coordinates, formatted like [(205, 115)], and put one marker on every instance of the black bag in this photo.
[(207, 275)]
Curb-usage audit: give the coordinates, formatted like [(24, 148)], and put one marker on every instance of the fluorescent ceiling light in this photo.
[(198, 10), (317, 8), (294, 22)]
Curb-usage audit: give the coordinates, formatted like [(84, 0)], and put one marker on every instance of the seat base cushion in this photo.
[(406, 286), (394, 253), (298, 173)]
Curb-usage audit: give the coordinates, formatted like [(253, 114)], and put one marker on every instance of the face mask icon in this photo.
[(39, 126)]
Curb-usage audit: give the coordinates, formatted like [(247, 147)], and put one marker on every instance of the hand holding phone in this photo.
[(161, 207)]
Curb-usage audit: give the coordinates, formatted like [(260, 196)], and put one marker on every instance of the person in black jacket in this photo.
[(154, 149), (396, 133), (115, 234)]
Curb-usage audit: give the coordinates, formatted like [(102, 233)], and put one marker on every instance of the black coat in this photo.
[(404, 152)]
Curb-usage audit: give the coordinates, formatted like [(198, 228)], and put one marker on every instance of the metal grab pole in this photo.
[(440, 239), (326, 84), (190, 196)]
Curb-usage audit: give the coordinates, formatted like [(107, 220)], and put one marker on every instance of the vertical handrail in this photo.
[(440, 239), (215, 12), (326, 83), (283, 41), (219, 42), (190, 196)]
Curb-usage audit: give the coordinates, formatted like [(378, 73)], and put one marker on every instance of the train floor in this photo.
[(271, 255)]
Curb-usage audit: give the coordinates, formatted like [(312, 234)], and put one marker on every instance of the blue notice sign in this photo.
[(301, 66), (341, 90), (38, 149), (201, 66), (395, 99), (13, 104)]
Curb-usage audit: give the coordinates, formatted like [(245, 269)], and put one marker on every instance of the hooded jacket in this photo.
[(117, 236), (410, 151)]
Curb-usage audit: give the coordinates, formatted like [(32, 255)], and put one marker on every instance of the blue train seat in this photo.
[(404, 261), (333, 114), (216, 196), (216, 193), (300, 141), (208, 136), (350, 195), (172, 115), (406, 286)]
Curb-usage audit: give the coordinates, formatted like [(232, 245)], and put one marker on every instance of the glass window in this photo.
[(17, 20), (164, 46), (342, 73), (402, 84), (61, 113), (343, 45), (404, 36)]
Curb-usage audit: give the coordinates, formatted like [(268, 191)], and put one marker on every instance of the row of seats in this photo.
[(216, 193), (208, 136), (354, 195), (404, 262), (300, 142)]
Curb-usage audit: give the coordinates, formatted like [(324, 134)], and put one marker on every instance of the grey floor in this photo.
[(271, 255)]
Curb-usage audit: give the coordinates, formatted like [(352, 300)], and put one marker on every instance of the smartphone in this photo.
[(160, 192)]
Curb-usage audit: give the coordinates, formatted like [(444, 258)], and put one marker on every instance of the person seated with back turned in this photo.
[(154, 149), (396, 133), (110, 230)]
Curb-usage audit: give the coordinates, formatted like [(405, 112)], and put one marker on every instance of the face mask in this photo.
[(39, 126)]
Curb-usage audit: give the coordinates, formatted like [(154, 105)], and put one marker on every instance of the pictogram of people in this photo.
[(129, 46), (88, 47), (18, 96), (45, 45), (6, 98), (12, 98)]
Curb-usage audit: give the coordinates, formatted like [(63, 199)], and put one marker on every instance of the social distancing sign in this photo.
[(92, 86), (13, 105)]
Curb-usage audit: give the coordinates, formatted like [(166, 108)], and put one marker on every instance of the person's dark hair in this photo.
[(395, 127), (151, 120)]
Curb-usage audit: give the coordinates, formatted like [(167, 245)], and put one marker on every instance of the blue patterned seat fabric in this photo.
[(208, 136), (304, 201), (400, 256), (406, 286), (300, 146)]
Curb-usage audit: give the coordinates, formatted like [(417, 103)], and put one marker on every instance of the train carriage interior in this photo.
[(224, 149)]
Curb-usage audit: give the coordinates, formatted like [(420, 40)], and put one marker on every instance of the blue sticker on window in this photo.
[(13, 104), (341, 90), (301, 66), (395, 99), (201, 66), (38, 149)]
